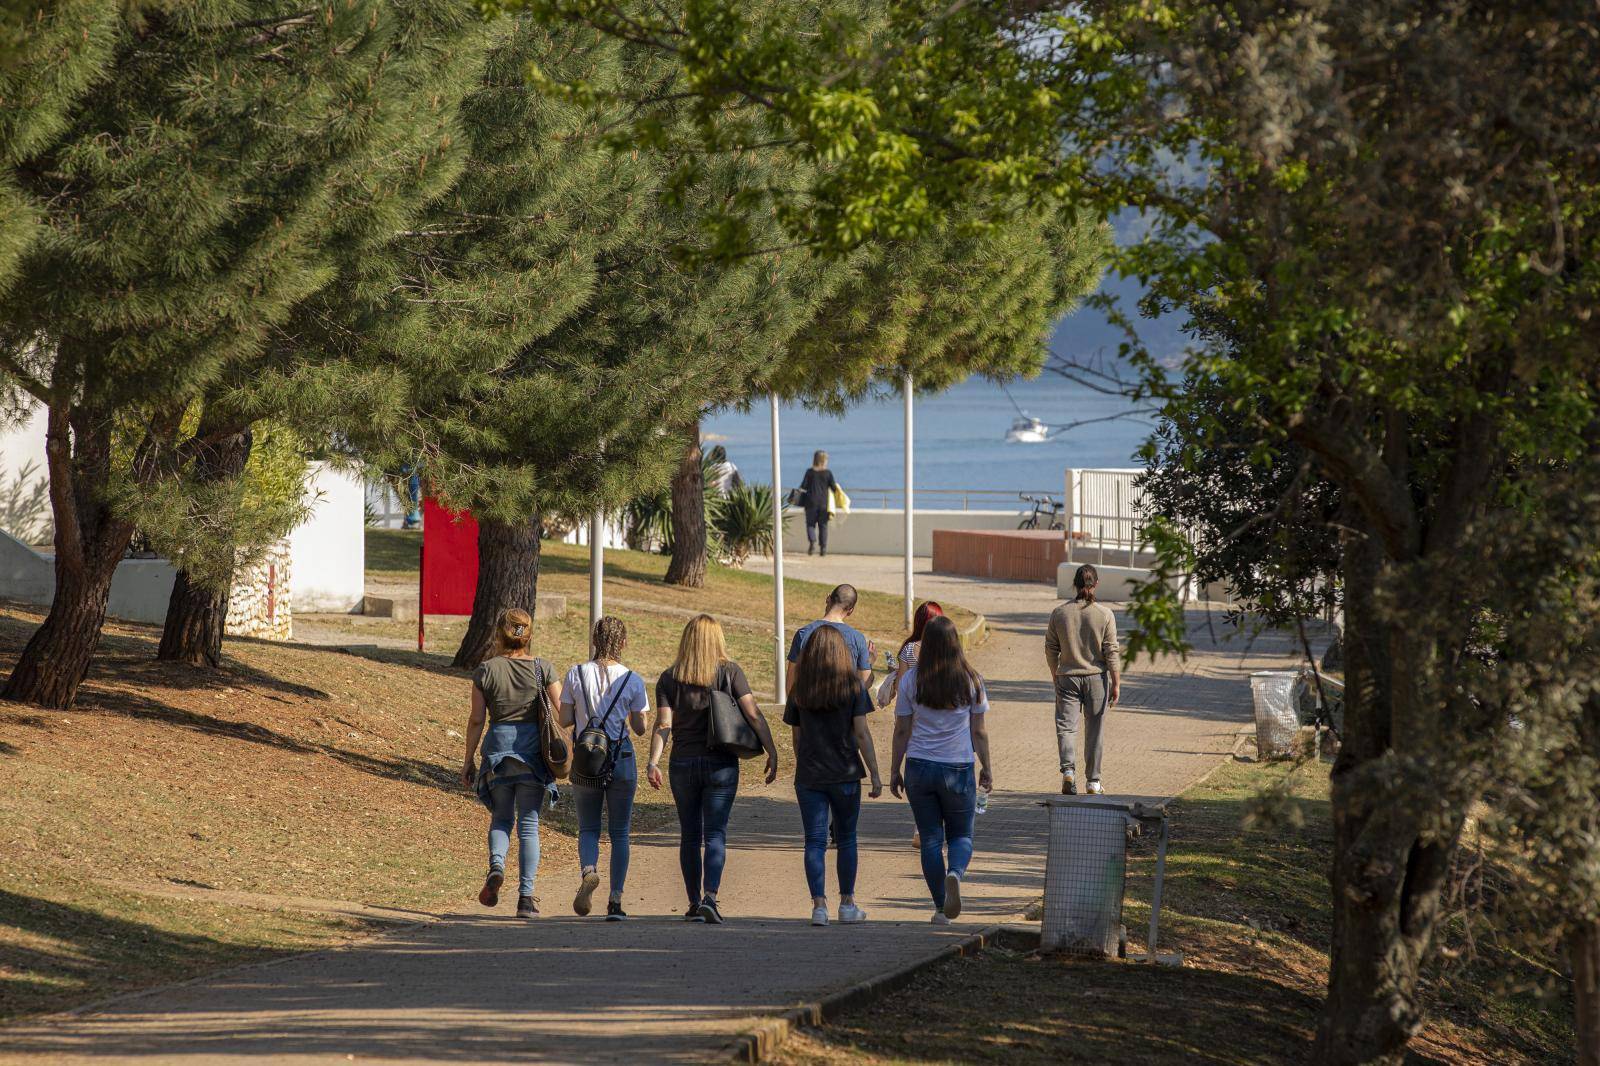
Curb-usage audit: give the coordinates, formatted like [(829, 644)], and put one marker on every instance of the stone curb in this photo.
[(976, 633), (759, 1043)]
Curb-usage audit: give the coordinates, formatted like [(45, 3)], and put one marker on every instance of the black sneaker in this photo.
[(527, 907), (614, 911), (811, 549), (709, 912), (489, 894), (693, 914)]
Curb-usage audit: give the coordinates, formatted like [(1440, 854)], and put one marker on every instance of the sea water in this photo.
[(960, 439)]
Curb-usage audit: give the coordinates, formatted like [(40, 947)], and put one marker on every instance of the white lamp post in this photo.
[(910, 507), (597, 569), (780, 661)]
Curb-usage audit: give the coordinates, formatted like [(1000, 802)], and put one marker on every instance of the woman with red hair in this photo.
[(907, 656)]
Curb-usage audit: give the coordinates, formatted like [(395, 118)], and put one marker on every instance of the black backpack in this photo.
[(594, 756)]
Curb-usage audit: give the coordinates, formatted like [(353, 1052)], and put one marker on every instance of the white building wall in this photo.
[(25, 480), (328, 551)]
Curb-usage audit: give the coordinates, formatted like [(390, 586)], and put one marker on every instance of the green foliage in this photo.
[(50, 52), (1253, 514), (209, 528)]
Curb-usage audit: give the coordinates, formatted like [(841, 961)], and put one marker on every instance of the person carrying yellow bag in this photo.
[(817, 494), (838, 502)]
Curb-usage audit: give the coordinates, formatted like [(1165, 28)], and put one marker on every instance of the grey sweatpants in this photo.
[(1081, 696)]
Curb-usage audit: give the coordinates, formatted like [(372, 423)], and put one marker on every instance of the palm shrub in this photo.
[(741, 521)]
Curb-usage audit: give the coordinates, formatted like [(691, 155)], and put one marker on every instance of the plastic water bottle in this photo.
[(983, 800)]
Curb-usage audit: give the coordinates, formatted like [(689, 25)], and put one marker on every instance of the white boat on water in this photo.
[(1027, 430)]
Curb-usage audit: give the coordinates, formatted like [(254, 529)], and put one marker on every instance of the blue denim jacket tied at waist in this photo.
[(511, 740)]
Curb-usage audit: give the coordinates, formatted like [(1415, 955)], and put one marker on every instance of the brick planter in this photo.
[(1005, 555)]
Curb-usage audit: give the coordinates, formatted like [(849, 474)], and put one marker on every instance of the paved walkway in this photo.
[(486, 988)]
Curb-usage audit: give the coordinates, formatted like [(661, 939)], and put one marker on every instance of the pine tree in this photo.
[(942, 307), (231, 124), (953, 303), (303, 378), (498, 261)]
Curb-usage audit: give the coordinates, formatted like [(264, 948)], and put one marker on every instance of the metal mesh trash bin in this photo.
[(1276, 697), (1085, 875)]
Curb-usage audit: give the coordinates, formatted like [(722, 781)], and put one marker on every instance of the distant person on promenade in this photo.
[(704, 781), (605, 695), (1080, 647), (512, 781), (836, 611), (939, 729), (722, 477), (817, 487), (827, 710)]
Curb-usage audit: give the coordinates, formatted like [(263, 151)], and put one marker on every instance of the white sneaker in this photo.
[(819, 916), (849, 913), (939, 918), (1095, 789), (952, 896), (586, 887)]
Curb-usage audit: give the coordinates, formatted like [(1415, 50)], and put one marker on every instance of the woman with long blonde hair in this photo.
[(512, 781), (704, 781)]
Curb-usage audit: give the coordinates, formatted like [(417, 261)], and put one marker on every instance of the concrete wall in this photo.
[(328, 551), (139, 590), (882, 532), (1116, 584)]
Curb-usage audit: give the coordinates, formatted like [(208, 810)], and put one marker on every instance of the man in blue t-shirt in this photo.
[(840, 606)]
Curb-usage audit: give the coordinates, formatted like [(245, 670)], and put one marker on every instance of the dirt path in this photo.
[(485, 988)]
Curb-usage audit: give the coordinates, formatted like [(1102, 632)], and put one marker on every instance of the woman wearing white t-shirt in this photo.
[(604, 689), (938, 729)]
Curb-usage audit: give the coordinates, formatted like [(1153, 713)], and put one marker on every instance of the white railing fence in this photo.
[(1105, 515)]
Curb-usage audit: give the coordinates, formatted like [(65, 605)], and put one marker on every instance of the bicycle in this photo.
[(1043, 507)]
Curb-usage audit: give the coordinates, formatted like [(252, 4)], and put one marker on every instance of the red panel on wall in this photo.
[(449, 559)]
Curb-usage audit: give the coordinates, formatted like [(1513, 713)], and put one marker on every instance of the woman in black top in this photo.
[(704, 782), (818, 486), (828, 709)]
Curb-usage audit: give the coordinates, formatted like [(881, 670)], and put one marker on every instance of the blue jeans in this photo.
[(519, 801), (843, 802), (944, 801), (703, 787), (618, 803)]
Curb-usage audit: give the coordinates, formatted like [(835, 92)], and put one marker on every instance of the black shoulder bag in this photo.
[(728, 732), (594, 757)]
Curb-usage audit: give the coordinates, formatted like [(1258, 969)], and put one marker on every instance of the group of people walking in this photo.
[(707, 718)]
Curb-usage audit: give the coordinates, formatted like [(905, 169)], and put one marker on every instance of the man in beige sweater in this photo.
[(1080, 646)]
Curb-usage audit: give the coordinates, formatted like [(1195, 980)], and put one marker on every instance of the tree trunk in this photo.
[(57, 656), (1583, 944), (508, 576), (688, 566), (196, 614), (89, 542), (1387, 876)]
